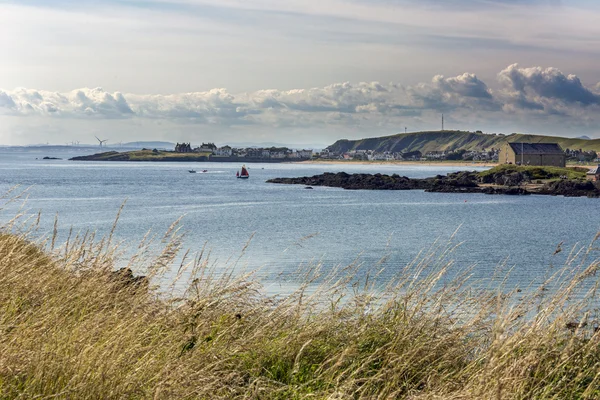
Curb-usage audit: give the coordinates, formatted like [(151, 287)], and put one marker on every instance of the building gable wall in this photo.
[(507, 156)]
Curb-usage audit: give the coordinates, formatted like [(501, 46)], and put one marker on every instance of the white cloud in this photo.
[(216, 106), (549, 84), (465, 91), (527, 89), (542, 99), (75, 104)]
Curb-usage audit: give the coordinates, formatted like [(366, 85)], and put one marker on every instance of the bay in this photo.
[(289, 225)]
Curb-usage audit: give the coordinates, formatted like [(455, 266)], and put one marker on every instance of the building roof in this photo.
[(594, 171), (536, 148)]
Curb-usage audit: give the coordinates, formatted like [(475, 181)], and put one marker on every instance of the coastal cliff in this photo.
[(454, 140)]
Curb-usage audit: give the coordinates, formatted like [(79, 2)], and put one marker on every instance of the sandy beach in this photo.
[(422, 163)]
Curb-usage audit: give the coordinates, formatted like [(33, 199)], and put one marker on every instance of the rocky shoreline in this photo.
[(163, 156), (458, 182)]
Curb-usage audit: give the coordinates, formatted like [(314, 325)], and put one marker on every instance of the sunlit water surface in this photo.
[(290, 225)]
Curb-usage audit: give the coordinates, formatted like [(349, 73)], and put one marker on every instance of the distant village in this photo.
[(280, 153), (371, 155), (491, 155), (284, 153)]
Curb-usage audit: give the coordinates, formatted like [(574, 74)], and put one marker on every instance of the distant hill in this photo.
[(149, 145), (455, 140)]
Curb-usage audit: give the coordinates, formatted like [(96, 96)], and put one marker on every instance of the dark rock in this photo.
[(508, 183), (571, 188), (125, 277), (356, 181), (51, 158), (505, 190), (507, 178), (573, 326)]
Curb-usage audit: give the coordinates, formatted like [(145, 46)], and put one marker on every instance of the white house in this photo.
[(305, 153), (278, 154), (225, 151)]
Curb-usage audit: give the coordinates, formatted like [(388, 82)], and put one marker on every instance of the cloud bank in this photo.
[(520, 99), (520, 91)]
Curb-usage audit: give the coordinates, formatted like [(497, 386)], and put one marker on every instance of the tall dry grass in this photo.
[(70, 327)]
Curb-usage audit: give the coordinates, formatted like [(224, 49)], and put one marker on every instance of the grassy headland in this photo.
[(70, 327), (537, 172), (454, 140), (144, 155)]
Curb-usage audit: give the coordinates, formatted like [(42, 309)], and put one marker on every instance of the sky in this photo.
[(295, 71)]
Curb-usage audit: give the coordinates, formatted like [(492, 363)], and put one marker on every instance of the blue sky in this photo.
[(280, 68)]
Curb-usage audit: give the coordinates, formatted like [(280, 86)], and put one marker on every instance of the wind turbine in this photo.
[(101, 141)]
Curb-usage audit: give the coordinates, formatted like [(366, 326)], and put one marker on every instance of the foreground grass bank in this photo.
[(70, 327)]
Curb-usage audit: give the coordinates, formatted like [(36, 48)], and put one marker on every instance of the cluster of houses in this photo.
[(550, 154), (579, 155), (248, 152), (366, 155), (517, 153), (372, 155), (464, 155)]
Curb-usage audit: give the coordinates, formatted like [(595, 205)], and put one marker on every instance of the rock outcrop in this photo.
[(458, 182), (571, 188)]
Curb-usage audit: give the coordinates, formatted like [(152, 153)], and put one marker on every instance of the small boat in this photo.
[(243, 174), (191, 171), (204, 170)]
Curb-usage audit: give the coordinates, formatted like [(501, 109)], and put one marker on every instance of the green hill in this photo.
[(455, 140), (144, 155)]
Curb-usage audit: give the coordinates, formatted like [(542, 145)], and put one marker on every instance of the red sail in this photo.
[(244, 172)]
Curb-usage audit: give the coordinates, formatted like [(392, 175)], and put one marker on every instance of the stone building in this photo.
[(543, 154), (183, 148), (225, 151), (593, 174)]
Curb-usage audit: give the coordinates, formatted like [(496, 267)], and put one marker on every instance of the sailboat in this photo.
[(243, 174)]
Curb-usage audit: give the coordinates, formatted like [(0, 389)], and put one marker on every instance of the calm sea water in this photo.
[(289, 225)]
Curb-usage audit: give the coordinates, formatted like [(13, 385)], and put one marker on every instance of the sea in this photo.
[(279, 230)]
